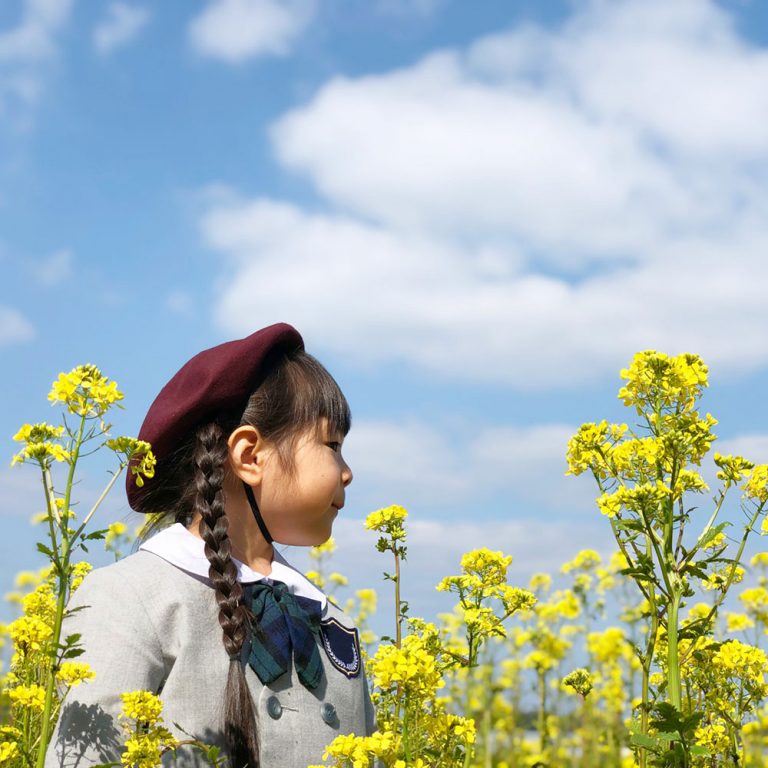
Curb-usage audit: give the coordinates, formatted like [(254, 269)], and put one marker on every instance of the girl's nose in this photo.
[(346, 475)]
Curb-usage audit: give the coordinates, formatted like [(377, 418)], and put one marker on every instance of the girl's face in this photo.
[(299, 508)]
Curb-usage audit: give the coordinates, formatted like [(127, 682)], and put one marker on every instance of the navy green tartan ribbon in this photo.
[(284, 626)]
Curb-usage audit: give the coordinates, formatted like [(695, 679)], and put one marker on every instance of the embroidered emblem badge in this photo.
[(342, 646)]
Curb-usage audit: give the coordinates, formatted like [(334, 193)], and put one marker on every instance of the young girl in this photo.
[(244, 651)]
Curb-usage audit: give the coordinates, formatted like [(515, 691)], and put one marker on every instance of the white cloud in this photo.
[(751, 446), (54, 269), (120, 25), (531, 210), (14, 327), (635, 121), (472, 312), (24, 51), (412, 463), (236, 30)]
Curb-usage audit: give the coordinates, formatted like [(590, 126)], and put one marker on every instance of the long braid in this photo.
[(209, 459)]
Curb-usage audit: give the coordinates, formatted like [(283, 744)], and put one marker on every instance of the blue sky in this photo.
[(475, 213)]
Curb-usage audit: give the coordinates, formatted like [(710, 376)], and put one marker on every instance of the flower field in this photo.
[(634, 660)]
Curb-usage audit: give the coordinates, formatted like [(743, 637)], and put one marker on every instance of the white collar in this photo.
[(183, 549)]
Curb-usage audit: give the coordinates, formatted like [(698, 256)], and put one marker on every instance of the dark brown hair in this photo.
[(296, 394)]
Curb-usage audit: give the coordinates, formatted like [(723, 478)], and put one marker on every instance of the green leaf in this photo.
[(643, 740), (96, 535), (712, 533), (45, 550)]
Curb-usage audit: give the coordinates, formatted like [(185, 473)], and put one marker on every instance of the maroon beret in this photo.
[(217, 380)]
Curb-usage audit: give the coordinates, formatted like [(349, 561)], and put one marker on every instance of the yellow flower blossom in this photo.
[(72, 673), (141, 751), (580, 680), (316, 578), (41, 445), (8, 751), (137, 454), (655, 377), (32, 696), (719, 578), (738, 622), (142, 706), (757, 486), (326, 548), (388, 520), (79, 572), (586, 560), (410, 668), (29, 633), (85, 391)]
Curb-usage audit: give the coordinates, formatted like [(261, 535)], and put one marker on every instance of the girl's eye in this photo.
[(334, 446)]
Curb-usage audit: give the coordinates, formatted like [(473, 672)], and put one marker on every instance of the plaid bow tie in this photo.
[(284, 624)]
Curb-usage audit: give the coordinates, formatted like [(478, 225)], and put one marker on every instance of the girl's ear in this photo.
[(247, 454)]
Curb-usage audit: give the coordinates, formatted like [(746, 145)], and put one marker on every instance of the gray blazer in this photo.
[(149, 625)]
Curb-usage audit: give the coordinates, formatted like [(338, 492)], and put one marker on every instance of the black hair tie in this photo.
[(256, 513)]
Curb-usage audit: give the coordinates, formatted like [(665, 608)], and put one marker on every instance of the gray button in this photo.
[(328, 713), (274, 707)]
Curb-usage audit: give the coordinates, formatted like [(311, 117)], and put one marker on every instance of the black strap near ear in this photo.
[(256, 513)]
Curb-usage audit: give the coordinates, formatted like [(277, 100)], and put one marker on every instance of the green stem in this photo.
[(731, 573), (542, 711), (53, 512), (63, 580), (98, 502), (645, 692), (398, 615), (674, 691)]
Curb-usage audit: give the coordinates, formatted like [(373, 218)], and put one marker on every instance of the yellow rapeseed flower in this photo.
[(580, 680), (738, 622), (757, 485), (141, 751), (388, 520), (79, 572), (29, 633), (143, 706), (585, 560), (326, 548), (85, 391), (73, 673), (40, 444), (8, 750), (32, 696)]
